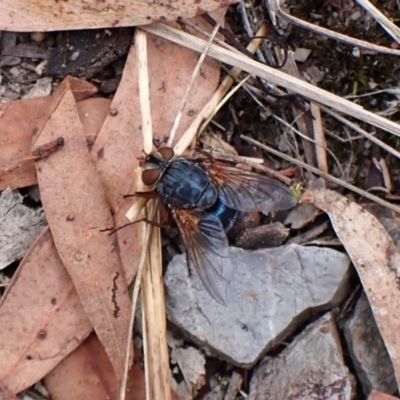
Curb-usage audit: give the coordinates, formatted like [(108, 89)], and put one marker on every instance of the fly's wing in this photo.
[(247, 191), (207, 247)]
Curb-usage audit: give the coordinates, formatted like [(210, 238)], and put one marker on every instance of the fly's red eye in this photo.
[(151, 176), (166, 152)]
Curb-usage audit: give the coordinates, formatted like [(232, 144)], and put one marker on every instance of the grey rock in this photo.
[(217, 389), (235, 383), (301, 54), (9, 61), (19, 227), (42, 87), (366, 348), (273, 291), (311, 367), (191, 362), (263, 236), (8, 39)]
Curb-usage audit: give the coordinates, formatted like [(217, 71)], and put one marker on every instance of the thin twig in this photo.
[(227, 82), (322, 174), (192, 79), (386, 24), (319, 138), (276, 9), (144, 91), (363, 132), (275, 76), (223, 102)]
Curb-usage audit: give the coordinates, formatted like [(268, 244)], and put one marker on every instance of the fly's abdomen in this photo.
[(187, 185), (226, 215)]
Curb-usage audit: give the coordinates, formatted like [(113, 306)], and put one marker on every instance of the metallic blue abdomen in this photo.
[(225, 214)]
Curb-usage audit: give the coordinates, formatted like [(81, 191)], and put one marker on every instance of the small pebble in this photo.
[(9, 61), (301, 54), (38, 36), (8, 39), (356, 52)]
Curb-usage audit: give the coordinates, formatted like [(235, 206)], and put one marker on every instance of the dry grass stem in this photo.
[(207, 35), (137, 206), (222, 103), (154, 320), (302, 120), (149, 276), (322, 174), (289, 126), (362, 132), (275, 10), (386, 24), (144, 92), (275, 77), (193, 77), (144, 236), (191, 133), (319, 138)]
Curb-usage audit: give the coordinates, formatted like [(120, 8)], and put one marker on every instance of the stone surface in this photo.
[(235, 383), (301, 54), (19, 227), (311, 368), (191, 362), (273, 291), (264, 236), (42, 87), (368, 353)]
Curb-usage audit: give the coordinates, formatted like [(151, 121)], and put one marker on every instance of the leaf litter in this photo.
[(115, 151), (375, 257), (324, 203)]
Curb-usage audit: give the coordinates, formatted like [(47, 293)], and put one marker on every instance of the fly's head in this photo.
[(155, 164)]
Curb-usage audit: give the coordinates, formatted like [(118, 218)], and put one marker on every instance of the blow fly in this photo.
[(204, 196)]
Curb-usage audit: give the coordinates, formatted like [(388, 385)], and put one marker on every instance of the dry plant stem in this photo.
[(193, 77), (386, 24), (275, 77), (322, 174), (289, 126), (302, 119), (228, 81), (155, 345), (363, 132), (276, 9), (319, 137), (145, 235), (208, 35), (133, 213), (144, 92), (386, 175), (222, 103)]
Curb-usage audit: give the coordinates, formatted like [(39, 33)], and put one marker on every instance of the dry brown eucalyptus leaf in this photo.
[(50, 15), (375, 257), (78, 213), (16, 168), (36, 309), (88, 374), (41, 309), (377, 395)]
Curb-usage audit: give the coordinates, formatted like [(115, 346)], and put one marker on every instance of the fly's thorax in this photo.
[(185, 184)]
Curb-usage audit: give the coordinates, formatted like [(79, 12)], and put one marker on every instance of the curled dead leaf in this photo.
[(375, 257)]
